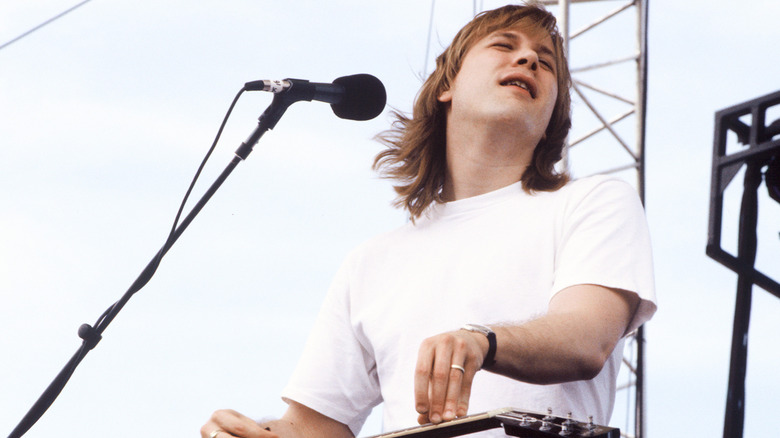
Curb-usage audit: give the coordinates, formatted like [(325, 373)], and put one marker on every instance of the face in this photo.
[(508, 78)]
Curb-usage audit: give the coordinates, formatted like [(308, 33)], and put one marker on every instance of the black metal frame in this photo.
[(760, 149)]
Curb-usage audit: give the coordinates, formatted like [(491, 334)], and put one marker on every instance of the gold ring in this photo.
[(214, 433), (454, 367)]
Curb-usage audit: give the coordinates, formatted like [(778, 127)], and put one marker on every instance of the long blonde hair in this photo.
[(415, 147)]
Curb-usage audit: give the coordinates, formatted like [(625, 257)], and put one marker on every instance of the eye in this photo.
[(503, 45), (547, 64)]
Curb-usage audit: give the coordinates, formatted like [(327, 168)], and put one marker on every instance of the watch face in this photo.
[(478, 328)]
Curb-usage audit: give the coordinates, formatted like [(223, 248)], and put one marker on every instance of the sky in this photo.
[(106, 113)]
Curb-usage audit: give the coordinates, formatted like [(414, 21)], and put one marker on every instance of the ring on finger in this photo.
[(459, 368), (214, 433)]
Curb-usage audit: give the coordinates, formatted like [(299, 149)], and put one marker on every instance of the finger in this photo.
[(423, 419), (207, 429), (465, 388), (454, 386), (218, 421), (213, 429), (422, 375), (440, 377), (214, 432)]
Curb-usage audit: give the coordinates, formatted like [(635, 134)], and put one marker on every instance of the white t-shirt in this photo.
[(494, 258)]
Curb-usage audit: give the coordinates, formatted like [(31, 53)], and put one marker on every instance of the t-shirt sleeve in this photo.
[(605, 241), (336, 375)]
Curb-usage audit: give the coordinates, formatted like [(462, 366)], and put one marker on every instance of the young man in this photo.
[(547, 276)]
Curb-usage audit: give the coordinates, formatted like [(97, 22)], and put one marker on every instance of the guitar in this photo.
[(514, 422)]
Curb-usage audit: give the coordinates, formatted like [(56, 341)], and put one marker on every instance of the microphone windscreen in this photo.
[(364, 97)]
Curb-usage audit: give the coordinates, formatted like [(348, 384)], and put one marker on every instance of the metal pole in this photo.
[(641, 108), (734, 422), (563, 27)]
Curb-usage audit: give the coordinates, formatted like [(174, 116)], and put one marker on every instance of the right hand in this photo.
[(441, 392), (231, 424)]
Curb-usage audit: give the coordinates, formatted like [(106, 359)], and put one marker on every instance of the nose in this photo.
[(527, 55), (534, 64)]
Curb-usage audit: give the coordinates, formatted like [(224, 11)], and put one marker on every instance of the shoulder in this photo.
[(379, 244), (597, 192), (596, 183)]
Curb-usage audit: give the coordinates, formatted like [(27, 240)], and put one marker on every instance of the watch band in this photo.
[(490, 357)]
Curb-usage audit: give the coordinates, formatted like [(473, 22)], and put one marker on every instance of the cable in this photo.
[(150, 270), (92, 335), (60, 15)]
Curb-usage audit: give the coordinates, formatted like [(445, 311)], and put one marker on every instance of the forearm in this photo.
[(281, 427), (548, 350), (297, 422), (571, 342), (300, 421)]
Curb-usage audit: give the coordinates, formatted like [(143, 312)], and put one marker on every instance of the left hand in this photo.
[(227, 423), (442, 392)]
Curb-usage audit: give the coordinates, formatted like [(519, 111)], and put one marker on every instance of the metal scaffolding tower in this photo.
[(608, 60)]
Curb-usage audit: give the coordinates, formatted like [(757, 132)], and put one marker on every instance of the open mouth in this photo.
[(522, 84)]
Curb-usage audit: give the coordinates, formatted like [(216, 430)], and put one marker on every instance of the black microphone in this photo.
[(356, 97)]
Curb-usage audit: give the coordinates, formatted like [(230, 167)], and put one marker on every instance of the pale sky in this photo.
[(106, 113)]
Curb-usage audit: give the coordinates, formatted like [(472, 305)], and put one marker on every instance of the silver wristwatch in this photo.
[(490, 357)]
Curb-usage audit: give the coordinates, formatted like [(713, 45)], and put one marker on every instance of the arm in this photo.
[(298, 422), (571, 342)]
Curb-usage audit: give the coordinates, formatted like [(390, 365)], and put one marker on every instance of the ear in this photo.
[(445, 96)]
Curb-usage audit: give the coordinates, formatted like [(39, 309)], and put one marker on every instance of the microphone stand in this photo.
[(92, 335)]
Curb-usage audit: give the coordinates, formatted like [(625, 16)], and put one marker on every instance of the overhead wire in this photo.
[(428, 43), (50, 20)]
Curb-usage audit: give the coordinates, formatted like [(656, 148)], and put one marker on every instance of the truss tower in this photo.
[(606, 42)]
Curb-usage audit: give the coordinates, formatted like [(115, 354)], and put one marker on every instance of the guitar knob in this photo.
[(567, 427), (547, 421), (590, 428)]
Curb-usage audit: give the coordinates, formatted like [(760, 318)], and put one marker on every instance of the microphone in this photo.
[(355, 97)]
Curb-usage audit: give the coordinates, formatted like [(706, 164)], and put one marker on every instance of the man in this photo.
[(548, 275)]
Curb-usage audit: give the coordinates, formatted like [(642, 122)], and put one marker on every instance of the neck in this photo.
[(480, 160)]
